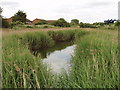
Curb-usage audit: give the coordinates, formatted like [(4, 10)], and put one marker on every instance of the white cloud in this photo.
[(84, 10)]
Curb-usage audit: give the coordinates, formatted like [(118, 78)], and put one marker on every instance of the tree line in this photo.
[(20, 18)]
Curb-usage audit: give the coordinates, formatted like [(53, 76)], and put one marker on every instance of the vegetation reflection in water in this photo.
[(58, 57)]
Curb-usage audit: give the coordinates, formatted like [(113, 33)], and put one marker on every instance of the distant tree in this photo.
[(19, 16), (61, 23), (1, 11), (41, 22), (81, 25), (87, 25), (3, 23), (117, 23), (74, 22), (99, 23), (0, 17)]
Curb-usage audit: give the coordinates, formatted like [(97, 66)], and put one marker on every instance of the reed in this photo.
[(95, 64)]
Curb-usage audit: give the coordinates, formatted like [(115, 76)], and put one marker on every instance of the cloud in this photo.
[(100, 3), (9, 4), (84, 10)]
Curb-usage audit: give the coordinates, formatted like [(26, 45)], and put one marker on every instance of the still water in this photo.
[(58, 57)]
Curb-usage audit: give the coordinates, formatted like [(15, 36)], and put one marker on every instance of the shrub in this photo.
[(14, 24), (29, 27), (87, 25), (45, 26), (5, 24), (41, 22), (74, 22), (61, 23), (117, 23)]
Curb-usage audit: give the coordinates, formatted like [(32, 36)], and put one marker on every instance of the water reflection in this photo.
[(60, 60), (58, 57)]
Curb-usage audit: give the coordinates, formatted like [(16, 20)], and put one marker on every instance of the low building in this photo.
[(36, 20), (8, 19), (28, 21), (50, 21)]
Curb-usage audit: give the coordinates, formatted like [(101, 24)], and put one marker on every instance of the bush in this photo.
[(117, 23), (74, 22), (29, 27), (87, 25), (61, 23), (14, 24), (45, 27), (5, 24), (41, 22)]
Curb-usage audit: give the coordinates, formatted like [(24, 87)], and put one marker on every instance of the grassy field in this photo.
[(95, 64)]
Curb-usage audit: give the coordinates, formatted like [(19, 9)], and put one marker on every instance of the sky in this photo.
[(87, 11)]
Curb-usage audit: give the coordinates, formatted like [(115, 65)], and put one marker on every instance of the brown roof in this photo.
[(8, 19), (36, 21), (27, 20), (50, 21)]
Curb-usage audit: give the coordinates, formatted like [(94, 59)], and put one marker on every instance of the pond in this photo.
[(58, 57)]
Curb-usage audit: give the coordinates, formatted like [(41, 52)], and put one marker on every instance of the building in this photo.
[(31, 22), (8, 19), (28, 21), (36, 20), (50, 21)]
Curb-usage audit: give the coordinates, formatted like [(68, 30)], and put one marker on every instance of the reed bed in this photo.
[(95, 64)]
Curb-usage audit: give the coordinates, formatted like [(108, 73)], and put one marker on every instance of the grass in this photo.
[(95, 64)]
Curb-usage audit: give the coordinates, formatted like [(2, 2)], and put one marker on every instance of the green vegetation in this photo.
[(20, 67), (95, 64), (61, 23), (4, 23), (41, 22), (117, 23), (20, 16), (87, 25), (16, 24), (74, 22)]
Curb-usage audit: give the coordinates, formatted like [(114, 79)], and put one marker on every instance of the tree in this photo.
[(1, 12), (19, 16), (81, 25), (74, 22), (61, 23), (3, 23), (117, 23), (0, 17), (87, 25)]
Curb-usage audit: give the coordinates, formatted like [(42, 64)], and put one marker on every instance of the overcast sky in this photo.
[(84, 10)]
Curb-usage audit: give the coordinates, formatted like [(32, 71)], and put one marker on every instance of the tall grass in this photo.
[(20, 68), (95, 64)]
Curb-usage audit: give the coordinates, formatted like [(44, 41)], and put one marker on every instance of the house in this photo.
[(28, 21), (8, 20), (36, 20), (31, 22), (50, 21)]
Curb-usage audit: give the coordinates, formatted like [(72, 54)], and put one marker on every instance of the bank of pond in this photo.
[(61, 59)]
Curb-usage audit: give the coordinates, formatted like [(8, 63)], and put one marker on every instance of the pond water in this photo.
[(58, 57)]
